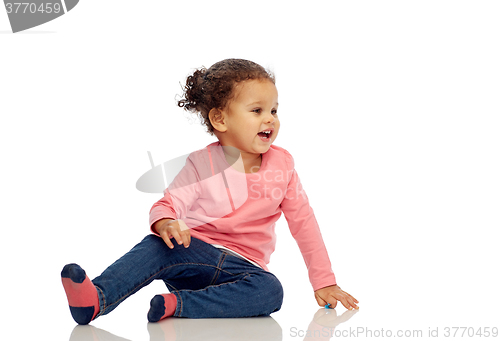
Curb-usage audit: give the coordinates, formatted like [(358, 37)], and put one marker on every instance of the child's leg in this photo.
[(240, 289), (193, 268)]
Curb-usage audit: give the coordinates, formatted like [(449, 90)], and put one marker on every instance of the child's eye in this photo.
[(257, 110), (274, 112)]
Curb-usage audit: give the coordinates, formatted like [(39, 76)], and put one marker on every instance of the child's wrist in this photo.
[(157, 223)]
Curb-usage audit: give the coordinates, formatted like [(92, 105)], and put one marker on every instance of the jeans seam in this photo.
[(170, 287), (179, 298), (101, 311), (219, 268)]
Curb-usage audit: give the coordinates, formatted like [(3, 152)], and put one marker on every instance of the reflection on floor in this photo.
[(321, 327)]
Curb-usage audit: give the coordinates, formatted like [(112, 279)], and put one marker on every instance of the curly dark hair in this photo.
[(212, 88)]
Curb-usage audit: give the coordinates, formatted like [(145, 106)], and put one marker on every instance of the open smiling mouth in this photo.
[(265, 135)]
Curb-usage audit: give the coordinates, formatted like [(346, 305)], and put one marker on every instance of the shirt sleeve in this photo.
[(305, 230), (178, 197)]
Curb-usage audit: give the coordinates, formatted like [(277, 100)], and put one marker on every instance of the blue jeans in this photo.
[(208, 282)]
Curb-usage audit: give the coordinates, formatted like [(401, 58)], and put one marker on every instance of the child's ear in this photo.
[(216, 117)]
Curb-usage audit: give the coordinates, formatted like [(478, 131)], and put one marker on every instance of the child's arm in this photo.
[(306, 232), (166, 214)]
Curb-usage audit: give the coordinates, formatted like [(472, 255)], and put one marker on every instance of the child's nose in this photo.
[(269, 118)]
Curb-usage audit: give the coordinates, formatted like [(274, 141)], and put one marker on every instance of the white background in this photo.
[(390, 109)]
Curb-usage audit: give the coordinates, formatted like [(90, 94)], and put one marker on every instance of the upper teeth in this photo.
[(267, 131)]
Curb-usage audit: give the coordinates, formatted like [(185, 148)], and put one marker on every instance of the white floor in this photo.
[(390, 109), (389, 307)]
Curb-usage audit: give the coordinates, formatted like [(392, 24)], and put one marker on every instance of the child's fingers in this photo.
[(348, 303), (166, 239), (321, 302), (176, 235), (345, 303), (184, 232), (186, 238), (351, 302), (333, 304)]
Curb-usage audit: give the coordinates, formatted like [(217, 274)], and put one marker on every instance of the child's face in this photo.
[(253, 110)]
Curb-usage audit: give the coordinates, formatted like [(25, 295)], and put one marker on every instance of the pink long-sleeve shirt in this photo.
[(236, 210)]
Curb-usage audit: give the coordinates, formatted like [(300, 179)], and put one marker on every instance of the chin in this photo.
[(265, 149)]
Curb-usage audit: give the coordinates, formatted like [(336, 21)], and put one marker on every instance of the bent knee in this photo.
[(274, 293), (279, 293)]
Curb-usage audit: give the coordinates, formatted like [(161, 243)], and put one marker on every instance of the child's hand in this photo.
[(332, 294), (177, 229)]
